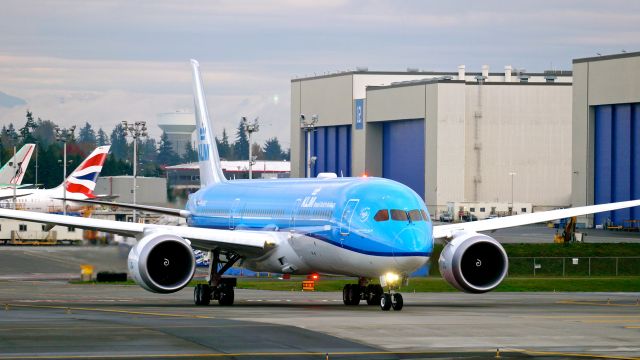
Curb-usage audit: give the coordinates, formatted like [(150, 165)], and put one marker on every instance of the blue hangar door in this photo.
[(331, 145), (403, 153), (617, 159)]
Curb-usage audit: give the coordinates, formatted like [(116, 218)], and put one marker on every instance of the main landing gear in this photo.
[(374, 294), (218, 288)]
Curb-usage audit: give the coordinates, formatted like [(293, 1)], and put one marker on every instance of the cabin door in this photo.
[(347, 214)]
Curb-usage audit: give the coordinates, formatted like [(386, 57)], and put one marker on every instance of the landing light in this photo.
[(391, 277)]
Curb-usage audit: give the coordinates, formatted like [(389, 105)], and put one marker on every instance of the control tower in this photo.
[(179, 127)]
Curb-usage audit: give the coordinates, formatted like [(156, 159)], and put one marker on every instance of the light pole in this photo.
[(136, 130), (512, 174), (64, 135), (250, 129), (308, 127)]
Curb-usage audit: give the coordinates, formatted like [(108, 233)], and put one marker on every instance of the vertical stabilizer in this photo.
[(10, 175), (210, 169), (82, 181)]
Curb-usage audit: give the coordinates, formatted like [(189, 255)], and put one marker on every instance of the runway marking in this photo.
[(113, 311), (319, 354), (580, 355), (632, 327), (120, 327), (595, 303)]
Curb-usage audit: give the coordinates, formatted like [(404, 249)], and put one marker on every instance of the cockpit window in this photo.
[(424, 215), (399, 215), (415, 215), (382, 215)]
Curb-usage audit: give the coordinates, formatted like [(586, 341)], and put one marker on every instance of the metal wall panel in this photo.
[(616, 159), (331, 145), (403, 153), (635, 158)]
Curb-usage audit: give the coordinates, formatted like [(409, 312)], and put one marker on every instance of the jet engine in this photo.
[(473, 262), (162, 263)]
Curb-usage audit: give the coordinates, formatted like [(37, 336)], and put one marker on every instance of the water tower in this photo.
[(179, 127)]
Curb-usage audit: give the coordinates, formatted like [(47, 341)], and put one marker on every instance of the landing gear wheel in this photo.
[(385, 302), (202, 294), (397, 302), (351, 294), (345, 294), (226, 295)]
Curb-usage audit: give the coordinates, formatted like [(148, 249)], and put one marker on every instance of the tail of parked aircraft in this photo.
[(210, 168), (13, 176), (82, 180)]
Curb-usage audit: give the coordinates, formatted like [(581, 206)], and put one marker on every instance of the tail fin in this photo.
[(13, 176), (82, 180), (210, 168)]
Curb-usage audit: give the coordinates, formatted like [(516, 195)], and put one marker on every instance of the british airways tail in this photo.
[(13, 176), (210, 168), (82, 181)]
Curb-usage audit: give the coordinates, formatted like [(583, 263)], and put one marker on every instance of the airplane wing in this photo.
[(243, 242), (447, 231), (10, 197), (155, 209)]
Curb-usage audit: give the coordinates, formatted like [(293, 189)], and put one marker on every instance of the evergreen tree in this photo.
[(10, 136), (241, 146), (45, 133), (190, 155), (273, 150), (28, 128), (224, 148), (166, 155), (87, 135), (119, 146), (102, 138)]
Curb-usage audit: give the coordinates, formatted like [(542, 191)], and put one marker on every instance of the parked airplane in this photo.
[(79, 185), (11, 176), (363, 227)]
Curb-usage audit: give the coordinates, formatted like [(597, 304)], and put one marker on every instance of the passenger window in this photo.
[(399, 215), (382, 215), (415, 215)]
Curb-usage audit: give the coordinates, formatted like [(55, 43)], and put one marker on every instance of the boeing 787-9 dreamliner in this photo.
[(365, 227)]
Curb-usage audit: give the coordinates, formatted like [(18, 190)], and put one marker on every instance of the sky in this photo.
[(112, 60)]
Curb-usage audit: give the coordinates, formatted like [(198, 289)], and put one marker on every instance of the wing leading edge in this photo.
[(244, 242), (446, 231)]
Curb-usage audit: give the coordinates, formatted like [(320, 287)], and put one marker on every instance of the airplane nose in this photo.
[(411, 245)]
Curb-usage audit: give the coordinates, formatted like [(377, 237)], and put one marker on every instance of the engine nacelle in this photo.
[(473, 262), (162, 263)]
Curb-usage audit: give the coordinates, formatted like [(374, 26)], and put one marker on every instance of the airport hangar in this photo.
[(474, 142), (606, 136)]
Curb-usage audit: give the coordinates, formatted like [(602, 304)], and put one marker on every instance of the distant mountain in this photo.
[(9, 101)]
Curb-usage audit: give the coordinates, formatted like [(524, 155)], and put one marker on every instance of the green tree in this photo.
[(28, 128), (166, 155), (45, 133), (224, 148), (241, 146), (102, 138), (87, 135), (119, 146), (190, 155), (273, 150)]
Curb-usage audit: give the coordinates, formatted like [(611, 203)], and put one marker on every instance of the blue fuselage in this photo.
[(370, 216)]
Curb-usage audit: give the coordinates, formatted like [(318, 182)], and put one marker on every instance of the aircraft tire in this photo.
[(347, 294), (226, 296), (385, 302), (373, 294), (354, 294), (397, 303)]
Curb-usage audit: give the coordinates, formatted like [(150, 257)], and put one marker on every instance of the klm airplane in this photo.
[(368, 228)]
